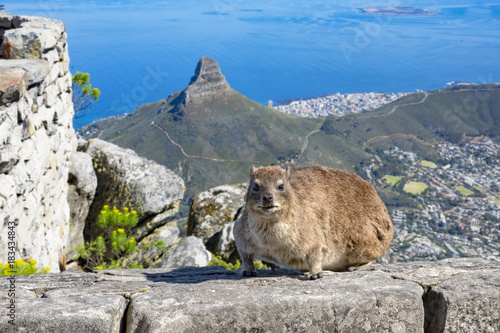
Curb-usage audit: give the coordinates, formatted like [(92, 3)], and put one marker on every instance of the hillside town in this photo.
[(338, 104), (459, 201)]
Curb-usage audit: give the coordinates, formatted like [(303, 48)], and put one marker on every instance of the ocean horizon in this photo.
[(138, 52)]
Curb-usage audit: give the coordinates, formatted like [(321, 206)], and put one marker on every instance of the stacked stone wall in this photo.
[(37, 139)]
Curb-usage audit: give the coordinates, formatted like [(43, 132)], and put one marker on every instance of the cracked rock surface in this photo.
[(453, 295)]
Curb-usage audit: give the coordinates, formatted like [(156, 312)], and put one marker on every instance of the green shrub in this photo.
[(134, 265), (219, 261), (106, 251), (116, 218)]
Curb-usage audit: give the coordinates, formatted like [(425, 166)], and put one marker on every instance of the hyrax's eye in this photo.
[(255, 187), (281, 187)]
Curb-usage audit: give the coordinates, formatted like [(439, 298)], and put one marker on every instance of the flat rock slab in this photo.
[(455, 295), (101, 313), (104, 288), (341, 302), (462, 294), (431, 273), (41, 283)]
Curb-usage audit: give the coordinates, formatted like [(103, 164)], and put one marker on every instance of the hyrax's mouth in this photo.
[(268, 208)]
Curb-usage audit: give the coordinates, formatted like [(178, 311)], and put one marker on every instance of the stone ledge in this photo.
[(278, 302), (36, 69), (21, 21), (70, 314), (463, 295), (8, 21)]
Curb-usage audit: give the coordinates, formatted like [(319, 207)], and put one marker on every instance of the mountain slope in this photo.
[(429, 117), (210, 134)]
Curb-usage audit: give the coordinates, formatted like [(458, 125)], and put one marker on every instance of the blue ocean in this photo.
[(142, 51)]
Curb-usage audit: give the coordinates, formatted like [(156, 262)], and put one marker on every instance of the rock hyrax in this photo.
[(311, 219)]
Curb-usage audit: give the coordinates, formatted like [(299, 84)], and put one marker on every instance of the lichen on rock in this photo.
[(212, 209)]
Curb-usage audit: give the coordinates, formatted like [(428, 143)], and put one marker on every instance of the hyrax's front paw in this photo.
[(316, 276), (249, 273), (363, 267)]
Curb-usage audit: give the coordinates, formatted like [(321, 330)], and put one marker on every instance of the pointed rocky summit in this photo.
[(207, 81)]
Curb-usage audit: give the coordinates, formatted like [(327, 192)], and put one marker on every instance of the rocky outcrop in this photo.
[(36, 138), (455, 295), (105, 174), (207, 81), (127, 180), (223, 244)]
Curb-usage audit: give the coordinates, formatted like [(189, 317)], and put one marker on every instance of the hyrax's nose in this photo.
[(268, 197)]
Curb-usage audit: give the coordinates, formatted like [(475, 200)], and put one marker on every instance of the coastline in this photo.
[(337, 104), (399, 11)]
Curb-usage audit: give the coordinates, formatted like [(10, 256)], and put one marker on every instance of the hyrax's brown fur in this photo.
[(312, 218)]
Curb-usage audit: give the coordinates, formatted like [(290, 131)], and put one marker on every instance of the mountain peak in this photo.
[(207, 81)]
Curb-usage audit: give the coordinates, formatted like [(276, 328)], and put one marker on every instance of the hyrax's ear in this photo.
[(288, 171), (252, 170)]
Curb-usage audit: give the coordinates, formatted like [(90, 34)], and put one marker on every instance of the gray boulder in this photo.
[(223, 244), (127, 180), (189, 252), (82, 184), (211, 210)]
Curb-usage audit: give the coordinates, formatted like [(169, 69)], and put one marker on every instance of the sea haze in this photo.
[(141, 51)]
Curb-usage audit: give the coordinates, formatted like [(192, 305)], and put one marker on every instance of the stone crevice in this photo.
[(436, 309), (123, 321)]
